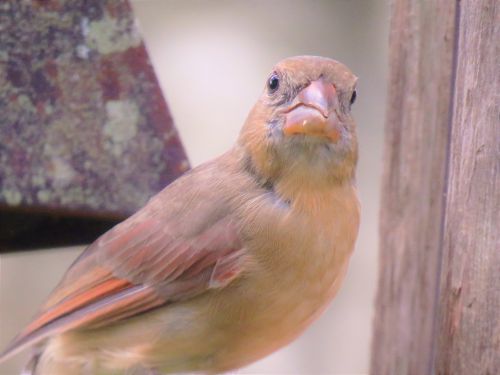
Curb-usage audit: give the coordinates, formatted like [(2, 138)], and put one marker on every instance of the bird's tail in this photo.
[(31, 367)]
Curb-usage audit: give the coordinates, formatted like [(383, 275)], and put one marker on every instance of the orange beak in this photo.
[(312, 112)]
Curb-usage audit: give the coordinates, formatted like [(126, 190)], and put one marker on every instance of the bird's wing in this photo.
[(145, 262)]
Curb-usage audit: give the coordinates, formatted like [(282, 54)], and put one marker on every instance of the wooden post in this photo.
[(438, 303), (468, 330)]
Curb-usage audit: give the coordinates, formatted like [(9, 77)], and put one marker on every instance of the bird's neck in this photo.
[(313, 194), (300, 184)]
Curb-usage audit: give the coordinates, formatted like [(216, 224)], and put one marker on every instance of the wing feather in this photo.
[(141, 264)]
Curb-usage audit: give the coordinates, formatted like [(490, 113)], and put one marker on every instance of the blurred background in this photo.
[(212, 59)]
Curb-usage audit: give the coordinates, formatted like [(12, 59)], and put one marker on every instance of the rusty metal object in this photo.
[(84, 127)]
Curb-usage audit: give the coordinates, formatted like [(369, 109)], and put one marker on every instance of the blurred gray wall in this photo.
[(212, 59)]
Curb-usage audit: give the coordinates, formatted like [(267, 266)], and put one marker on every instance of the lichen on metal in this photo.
[(84, 126)]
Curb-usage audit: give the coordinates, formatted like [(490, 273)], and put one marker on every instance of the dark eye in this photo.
[(273, 83), (353, 97)]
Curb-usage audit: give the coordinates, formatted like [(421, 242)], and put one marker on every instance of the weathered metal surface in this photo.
[(84, 128)]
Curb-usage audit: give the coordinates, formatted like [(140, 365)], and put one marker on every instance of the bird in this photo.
[(228, 263)]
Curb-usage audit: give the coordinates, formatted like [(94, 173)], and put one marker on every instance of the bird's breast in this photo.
[(301, 251)]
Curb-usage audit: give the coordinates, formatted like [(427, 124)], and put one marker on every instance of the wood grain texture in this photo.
[(469, 314), (417, 132), (437, 309)]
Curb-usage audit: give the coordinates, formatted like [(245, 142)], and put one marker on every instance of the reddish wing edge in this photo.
[(75, 319), (132, 269)]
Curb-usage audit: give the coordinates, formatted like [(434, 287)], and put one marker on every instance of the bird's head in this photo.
[(302, 123)]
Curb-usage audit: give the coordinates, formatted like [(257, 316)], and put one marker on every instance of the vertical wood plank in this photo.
[(417, 131), (438, 304), (469, 312)]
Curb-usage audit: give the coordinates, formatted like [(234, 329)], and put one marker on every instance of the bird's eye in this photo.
[(273, 83), (353, 97)]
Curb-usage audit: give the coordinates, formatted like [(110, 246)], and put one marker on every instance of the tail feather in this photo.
[(81, 317), (20, 343), (31, 367)]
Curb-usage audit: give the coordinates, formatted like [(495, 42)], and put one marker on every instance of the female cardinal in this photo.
[(231, 261)]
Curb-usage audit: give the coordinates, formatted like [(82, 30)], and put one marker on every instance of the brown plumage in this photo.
[(231, 261)]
